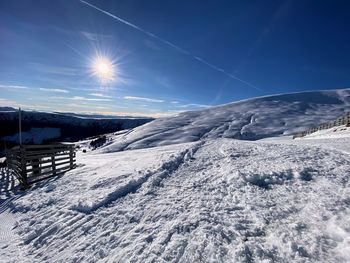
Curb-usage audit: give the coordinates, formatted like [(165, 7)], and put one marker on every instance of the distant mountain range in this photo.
[(39, 127), (7, 109)]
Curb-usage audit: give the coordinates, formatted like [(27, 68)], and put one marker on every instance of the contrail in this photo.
[(172, 45)]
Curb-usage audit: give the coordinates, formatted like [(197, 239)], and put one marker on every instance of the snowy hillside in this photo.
[(249, 120), (208, 200)]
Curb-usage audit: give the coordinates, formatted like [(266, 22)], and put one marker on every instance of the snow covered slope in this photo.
[(209, 199), (249, 120), (334, 132), (219, 200)]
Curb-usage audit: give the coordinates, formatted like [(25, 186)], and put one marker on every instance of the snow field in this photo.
[(218, 200)]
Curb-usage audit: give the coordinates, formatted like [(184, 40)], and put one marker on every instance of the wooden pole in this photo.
[(20, 126), (53, 164), (71, 153), (23, 167)]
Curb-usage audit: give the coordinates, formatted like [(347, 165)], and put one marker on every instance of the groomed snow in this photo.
[(216, 200)]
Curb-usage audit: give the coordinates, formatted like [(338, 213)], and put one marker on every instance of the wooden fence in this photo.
[(343, 120), (33, 163)]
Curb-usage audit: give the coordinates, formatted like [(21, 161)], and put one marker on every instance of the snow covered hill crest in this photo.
[(251, 119)]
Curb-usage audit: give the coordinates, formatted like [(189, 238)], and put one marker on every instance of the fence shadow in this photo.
[(9, 190), (8, 184)]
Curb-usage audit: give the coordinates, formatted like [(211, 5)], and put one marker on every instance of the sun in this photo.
[(104, 69)]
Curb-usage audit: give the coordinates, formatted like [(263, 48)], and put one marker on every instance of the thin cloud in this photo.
[(55, 90), (150, 44), (87, 106), (88, 99), (93, 36), (6, 102), (176, 111), (142, 99), (79, 98), (100, 95), (164, 41), (13, 87), (194, 105), (56, 70), (12, 103), (163, 81)]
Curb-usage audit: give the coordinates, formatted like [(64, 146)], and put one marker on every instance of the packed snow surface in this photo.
[(252, 119), (218, 200)]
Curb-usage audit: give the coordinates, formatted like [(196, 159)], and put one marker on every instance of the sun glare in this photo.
[(104, 69)]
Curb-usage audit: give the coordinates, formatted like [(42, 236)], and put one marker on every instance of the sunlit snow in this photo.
[(205, 199)]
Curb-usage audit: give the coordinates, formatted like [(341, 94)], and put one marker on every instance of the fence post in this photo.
[(53, 164), (22, 155), (71, 152), (36, 166)]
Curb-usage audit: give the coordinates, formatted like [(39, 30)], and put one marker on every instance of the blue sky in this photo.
[(168, 56)]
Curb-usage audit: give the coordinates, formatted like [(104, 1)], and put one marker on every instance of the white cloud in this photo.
[(193, 105), (80, 98), (88, 99), (87, 106), (55, 90), (13, 87), (142, 99), (100, 95)]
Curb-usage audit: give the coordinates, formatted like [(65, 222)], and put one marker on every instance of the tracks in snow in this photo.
[(153, 178), (205, 203)]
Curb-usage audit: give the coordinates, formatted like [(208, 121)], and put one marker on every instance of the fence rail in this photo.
[(343, 120), (33, 163)]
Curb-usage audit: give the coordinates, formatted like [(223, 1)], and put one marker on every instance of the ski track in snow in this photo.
[(217, 200)]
